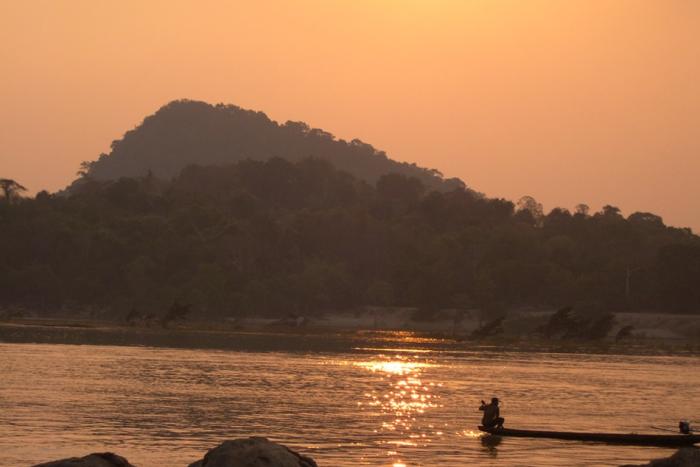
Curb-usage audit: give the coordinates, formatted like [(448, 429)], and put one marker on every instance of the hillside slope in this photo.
[(188, 132)]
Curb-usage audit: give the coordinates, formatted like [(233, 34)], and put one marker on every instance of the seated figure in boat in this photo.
[(492, 416)]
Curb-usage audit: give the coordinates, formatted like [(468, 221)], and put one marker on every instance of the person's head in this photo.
[(494, 400)]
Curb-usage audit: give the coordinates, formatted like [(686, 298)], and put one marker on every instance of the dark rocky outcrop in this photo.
[(685, 457), (105, 459), (253, 452)]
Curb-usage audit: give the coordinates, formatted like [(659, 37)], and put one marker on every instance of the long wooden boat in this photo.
[(612, 438)]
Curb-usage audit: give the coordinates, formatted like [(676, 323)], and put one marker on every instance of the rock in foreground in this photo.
[(105, 459), (253, 452), (685, 457)]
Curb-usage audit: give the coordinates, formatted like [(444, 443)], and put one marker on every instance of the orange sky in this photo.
[(594, 101)]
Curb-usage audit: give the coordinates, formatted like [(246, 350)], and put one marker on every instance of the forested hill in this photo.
[(188, 132), (274, 237)]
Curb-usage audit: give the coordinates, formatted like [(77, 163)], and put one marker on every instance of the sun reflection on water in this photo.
[(471, 434), (402, 402), (395, 367)]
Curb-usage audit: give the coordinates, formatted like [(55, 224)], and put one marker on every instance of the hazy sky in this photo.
[(594, 101)]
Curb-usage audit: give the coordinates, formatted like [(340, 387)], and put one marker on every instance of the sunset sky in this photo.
[(593, 101)]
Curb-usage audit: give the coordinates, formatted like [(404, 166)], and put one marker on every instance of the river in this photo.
[(373, 406)]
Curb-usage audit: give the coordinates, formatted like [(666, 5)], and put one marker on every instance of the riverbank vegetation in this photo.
[(269, 238)]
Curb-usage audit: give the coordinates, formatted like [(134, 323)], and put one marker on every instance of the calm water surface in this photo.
[(380, 407)]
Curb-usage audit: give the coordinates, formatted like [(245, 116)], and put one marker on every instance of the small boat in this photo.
[(612, 438)]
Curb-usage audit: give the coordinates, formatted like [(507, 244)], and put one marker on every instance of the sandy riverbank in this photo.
[(652, 333)]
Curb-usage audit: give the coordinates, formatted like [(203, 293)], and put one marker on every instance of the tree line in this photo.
[(269, 238)]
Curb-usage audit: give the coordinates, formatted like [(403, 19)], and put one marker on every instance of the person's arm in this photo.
[(483, 406)]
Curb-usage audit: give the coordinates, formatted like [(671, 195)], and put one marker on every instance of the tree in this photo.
[(529, 210), (84, 169), (559, 323), (10, 189), (646, 218), (612, 212), (582, 210), (558, 219)]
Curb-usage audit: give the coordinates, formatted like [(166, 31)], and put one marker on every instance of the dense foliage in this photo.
[(189, 132), (274, 237)]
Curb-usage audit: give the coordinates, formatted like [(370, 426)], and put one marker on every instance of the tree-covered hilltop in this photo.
[(275, 237), (187, 132)]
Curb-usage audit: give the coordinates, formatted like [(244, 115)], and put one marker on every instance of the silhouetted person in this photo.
[(491, 418)]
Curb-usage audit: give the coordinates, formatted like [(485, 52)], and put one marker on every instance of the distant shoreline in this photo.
[(312, 339)]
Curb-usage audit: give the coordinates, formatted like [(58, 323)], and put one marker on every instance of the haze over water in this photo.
[(380, 407)]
